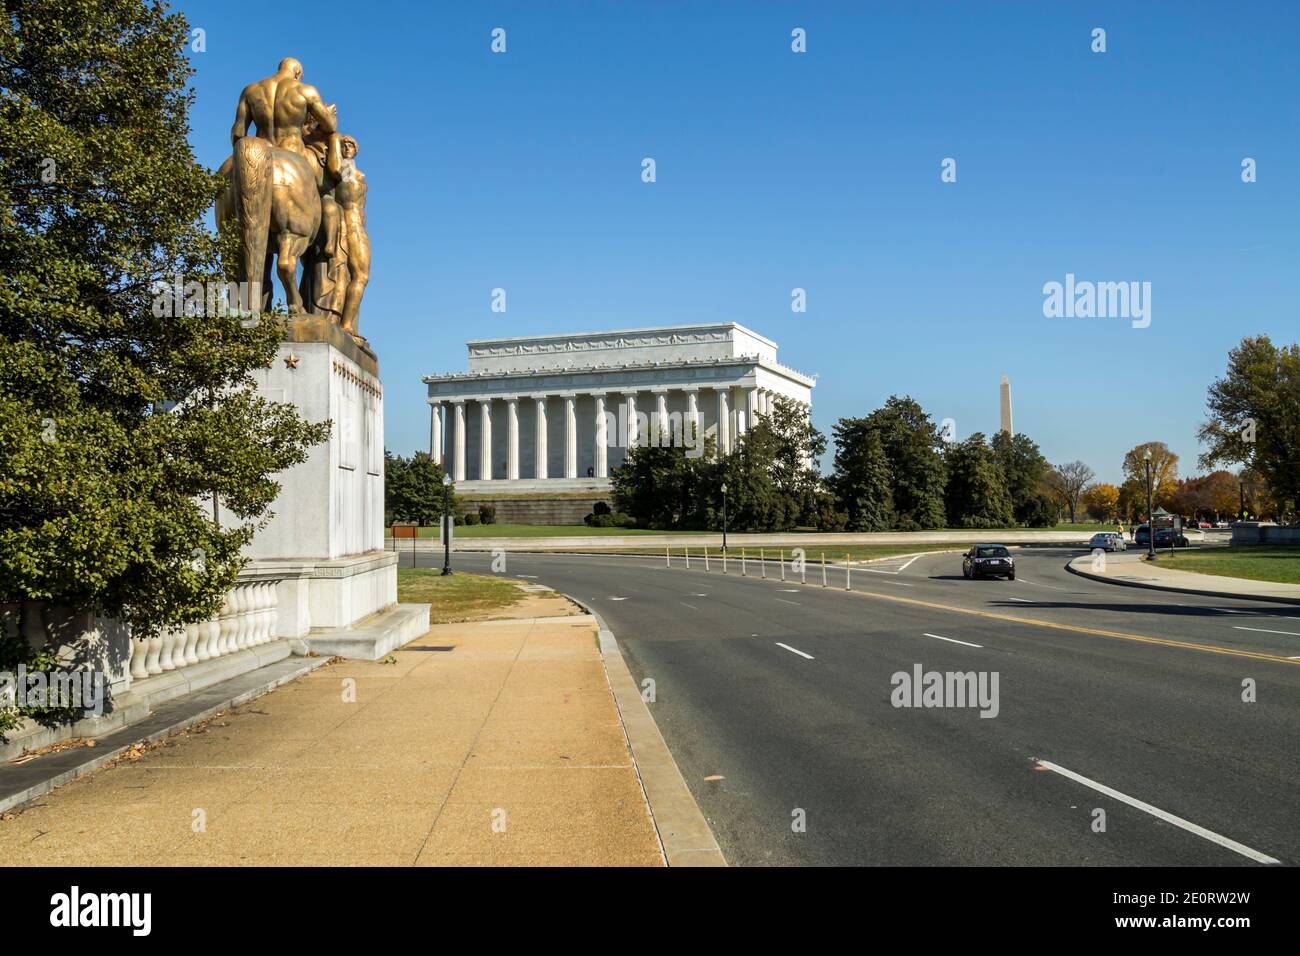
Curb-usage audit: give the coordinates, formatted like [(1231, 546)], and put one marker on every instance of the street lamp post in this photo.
[(1151, 520), (724, 516), (446, 524)]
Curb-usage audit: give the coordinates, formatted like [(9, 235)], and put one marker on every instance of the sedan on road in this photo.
[(1108, 541), (988, 561)]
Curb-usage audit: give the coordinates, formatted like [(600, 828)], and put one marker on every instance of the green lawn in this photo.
[(538, 531), (458, 597), (1258, 563), (581, 530)]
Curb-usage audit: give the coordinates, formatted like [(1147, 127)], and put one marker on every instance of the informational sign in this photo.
[(445, 533)]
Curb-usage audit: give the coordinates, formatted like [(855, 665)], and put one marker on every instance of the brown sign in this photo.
[(404, 530)]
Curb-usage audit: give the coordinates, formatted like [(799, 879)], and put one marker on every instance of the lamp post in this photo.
[(724, 516), (446, 524), (1151, 520)]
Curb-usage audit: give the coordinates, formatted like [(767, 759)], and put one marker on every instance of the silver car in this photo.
[(1108, 541)]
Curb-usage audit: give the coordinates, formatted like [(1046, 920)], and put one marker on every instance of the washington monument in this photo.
[(1006, 406)]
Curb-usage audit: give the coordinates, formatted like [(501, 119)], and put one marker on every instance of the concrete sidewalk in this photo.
[(482, 743), (1133, 571)]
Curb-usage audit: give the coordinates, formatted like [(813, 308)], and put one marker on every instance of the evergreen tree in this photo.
[(1023, 469), (119, 429), (911, 445), (976, 494), (413, 489), (862, 483)]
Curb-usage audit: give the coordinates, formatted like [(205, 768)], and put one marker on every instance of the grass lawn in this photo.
[(538, 531), (459, 597), (1258, 562), (581, 530)]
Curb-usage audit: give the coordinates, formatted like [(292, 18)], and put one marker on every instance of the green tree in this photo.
[(1023, 470), (413, 489), (119, 430), (665, 487), (977, 494), (911, 445), (771, 484), (862, 483), (1254, 417)]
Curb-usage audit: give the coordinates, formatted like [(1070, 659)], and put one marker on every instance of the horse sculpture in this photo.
[(275, 197)]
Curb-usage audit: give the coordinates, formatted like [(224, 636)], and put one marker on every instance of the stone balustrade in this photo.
[(246, 619)]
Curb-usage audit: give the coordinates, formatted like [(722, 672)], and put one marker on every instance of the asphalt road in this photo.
[(1108, 698)]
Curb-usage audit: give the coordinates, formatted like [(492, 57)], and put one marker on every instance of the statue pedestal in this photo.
[(337, 586)]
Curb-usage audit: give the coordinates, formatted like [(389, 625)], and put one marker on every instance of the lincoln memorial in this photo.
[(549, 412)]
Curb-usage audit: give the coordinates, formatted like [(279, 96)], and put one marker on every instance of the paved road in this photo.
[(1110, 699)]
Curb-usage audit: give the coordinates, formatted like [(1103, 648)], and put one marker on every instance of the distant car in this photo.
[(1142, 535), (1165, 538), (988, 561), (1204, 525), (1108, 541)]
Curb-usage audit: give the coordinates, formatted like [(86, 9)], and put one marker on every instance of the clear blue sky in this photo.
[(819, 170)]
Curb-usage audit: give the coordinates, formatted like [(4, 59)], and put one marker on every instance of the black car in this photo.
[(988, 561), (1165, 538)]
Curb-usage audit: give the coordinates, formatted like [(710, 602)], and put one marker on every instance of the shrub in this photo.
[(620, 520), (471, 518), (600, 508), (487, 514)]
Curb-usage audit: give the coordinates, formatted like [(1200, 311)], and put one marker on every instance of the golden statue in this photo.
[(297, 194)]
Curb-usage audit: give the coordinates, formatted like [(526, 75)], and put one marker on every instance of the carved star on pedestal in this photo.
[(291, 361)]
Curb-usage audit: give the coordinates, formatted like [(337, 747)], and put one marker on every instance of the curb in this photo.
[(105, 757), (685, 837), (1177, 590)]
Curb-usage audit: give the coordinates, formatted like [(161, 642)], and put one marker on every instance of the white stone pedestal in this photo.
[(325, 543)]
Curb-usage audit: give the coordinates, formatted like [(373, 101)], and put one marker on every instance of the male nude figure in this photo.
[(279, 106), (275, 181)]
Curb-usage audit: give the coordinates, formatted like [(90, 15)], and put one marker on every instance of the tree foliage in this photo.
[(910, 442), (413, 489), (117, 427), (977, 491), (1254, 417)]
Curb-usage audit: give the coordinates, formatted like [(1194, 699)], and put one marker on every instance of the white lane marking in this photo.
[(531, 576), (1187, 825), (952, 640), (901, 584), (691, 606), (612, 598), (699, 595), (1264, 630), (909, 561), (788, 591), (875, 570), (784, 601), (1051, 586), (794, 650), (1021, 600)]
